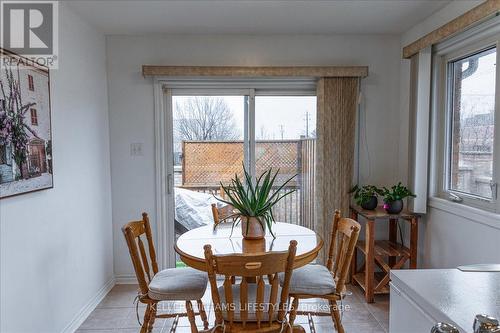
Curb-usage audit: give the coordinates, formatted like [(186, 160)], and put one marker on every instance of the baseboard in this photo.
[(125, 279), (77, 321)]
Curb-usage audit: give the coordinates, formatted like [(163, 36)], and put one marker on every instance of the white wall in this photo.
[(448, 237), (131, 101), (56, 245)]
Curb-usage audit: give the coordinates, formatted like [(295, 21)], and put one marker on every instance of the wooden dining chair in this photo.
[(248, 306), (173, 284), (318, 281), (223, 214)]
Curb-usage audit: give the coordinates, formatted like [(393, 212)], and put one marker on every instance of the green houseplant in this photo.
[(366, 196), (393, 198), (253, 201)]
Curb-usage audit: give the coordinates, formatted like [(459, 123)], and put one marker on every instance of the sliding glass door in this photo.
[(285, 138), (215, 133)]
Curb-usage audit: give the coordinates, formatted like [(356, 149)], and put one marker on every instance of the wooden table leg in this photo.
[(354, 264), (354, 261), (393, 237), (370, 260), (413, 243)]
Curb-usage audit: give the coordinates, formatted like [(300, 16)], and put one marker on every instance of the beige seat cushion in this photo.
[(178, 284), (312, 280), (252, 302)]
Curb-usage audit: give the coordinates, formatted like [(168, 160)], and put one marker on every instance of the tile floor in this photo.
[(117, 313)]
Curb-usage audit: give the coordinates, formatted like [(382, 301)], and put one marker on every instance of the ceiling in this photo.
[(256, 17)]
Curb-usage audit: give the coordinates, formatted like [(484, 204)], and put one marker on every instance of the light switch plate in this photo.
[(136, 149)]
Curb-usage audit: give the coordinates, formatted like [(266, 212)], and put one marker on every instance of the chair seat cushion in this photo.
[(252, 304), (178, 284), (311, 280)]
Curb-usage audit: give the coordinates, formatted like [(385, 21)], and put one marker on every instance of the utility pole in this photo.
[(307, 124)]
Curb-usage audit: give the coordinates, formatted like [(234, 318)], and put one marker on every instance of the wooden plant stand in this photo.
[(386, 254)]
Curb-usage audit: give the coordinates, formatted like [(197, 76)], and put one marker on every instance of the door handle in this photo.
[(169, 183)]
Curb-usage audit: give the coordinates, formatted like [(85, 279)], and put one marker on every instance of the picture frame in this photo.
[(26, 161)]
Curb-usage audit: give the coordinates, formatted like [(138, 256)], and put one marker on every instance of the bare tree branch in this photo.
[(205, 118)]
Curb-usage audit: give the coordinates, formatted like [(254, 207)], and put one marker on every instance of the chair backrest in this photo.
[(215, 214), (222, 214), (145, 268), (345, 233), (260, 266)]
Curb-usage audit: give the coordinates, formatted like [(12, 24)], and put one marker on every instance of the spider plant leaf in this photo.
[(248, 223), (255, 198), (266, 187), (271, 215), (261, 223), (283, 185), (250, 185), (269, 224), (230, 216), (235, 223)]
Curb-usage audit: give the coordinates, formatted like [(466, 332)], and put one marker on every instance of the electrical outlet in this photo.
[(136, 149)]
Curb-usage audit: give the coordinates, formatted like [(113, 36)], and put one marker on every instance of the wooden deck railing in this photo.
[(296, 156)]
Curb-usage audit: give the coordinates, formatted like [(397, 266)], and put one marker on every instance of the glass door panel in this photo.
[(285, 132), (208, 146)]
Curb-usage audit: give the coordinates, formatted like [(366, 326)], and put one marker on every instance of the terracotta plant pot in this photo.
[(394, 207), (255, 229), (370, 204)]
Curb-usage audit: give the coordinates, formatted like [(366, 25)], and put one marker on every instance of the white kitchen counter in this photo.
[(420, 298)]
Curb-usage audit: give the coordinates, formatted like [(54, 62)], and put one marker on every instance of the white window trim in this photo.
[(460, 210), (474, 40)]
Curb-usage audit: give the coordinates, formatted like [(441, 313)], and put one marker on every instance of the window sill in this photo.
[(473, 214)]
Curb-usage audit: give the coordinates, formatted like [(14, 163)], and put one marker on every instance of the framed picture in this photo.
[(25, 126)]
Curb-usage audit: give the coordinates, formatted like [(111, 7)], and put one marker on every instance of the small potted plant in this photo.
[(253, 202), (393, 198), (366, 196)]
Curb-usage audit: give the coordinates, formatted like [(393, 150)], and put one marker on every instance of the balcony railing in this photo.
[(286, 210), (207, 162)]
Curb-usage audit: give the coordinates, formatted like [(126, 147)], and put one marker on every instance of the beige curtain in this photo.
[(337, 100)]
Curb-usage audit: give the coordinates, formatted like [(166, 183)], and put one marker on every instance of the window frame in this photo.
[(31, 83), (467, 44), (34, 116), (164, 89)]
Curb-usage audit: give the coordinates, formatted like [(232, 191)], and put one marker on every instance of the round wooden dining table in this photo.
[(189, 245)]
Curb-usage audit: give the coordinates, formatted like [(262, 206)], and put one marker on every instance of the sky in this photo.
[(478, 90), (274, 115)]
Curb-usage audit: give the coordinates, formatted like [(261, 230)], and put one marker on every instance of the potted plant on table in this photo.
[(393, 198), (253, 202), (366, 196)]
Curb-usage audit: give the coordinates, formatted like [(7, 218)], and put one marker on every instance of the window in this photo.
[(34, 118), (466, 112), (31, 84), (472, 112)]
